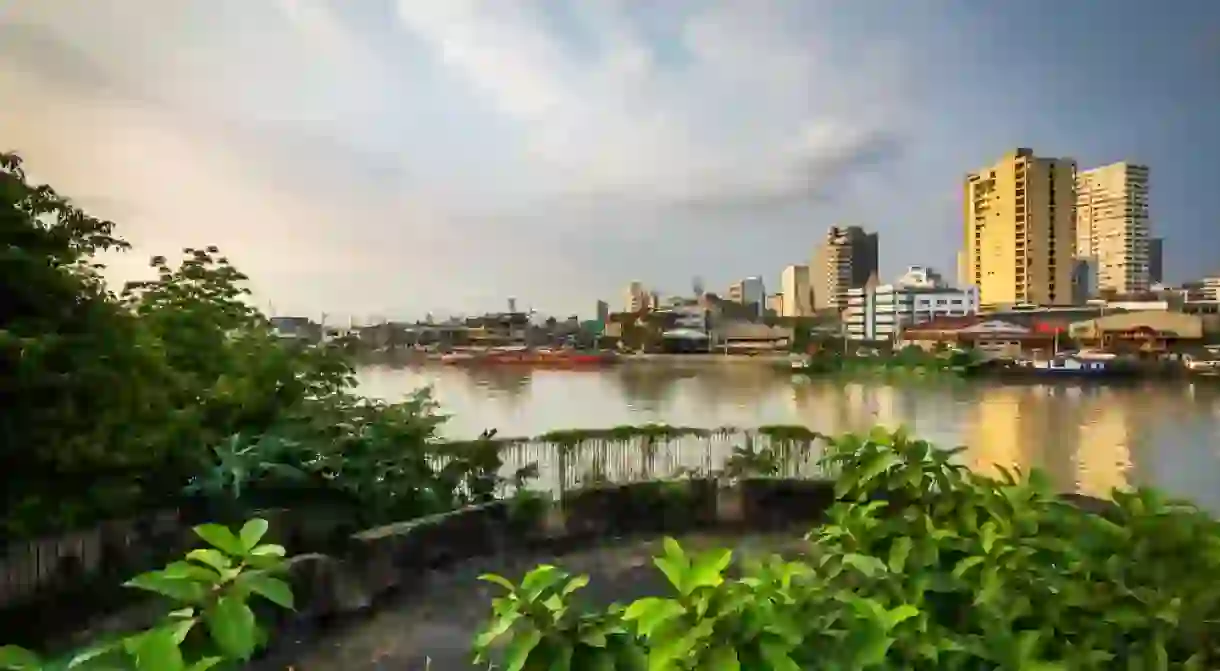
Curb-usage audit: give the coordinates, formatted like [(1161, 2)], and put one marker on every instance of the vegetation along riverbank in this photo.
[(129, 417)]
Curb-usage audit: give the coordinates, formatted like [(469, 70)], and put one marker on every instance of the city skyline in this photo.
[(413, 157)]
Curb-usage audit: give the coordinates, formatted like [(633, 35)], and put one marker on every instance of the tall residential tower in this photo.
[(1112, 225), (1019, 230), (844, 260)]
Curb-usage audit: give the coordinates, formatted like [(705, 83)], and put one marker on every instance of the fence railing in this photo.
[(116, 550)]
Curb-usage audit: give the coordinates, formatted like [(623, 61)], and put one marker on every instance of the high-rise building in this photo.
[(1019, 228), (794, 287), (603, 311), (638, 298), (845, 259), (1112, 225), (1156, 260), (749, 291)]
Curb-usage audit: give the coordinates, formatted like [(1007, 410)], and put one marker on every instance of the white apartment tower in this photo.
[(797, 293), (1112, 228)]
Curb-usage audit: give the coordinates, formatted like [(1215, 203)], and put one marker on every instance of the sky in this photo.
[(389, 158)]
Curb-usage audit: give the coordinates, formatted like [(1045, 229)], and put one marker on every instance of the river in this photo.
[(1089, 438)]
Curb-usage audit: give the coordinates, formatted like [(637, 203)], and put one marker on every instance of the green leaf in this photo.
[(251, 533), (707, 570), (272, 589), (189, 571), (574, 584), (675, 570), (205, 664), (866, 564), (965, 565), (499, 580), (213, 558), (898, 553), (268, 550), (896, 616), (519, 649), (179, 589), (776, 656), (17, 658), (496, 628), (673, 550), (89, 654), (231, 624), (723, 658), (541, 579), (651, 612), (158, 651), (221, 538)]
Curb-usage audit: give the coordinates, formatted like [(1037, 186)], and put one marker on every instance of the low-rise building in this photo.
[(880, 312), (1143, 330), (992, 337)]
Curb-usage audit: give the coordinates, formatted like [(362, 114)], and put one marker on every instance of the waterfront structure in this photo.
[(797, 293), (1112, 225), (847, 258), (1156, 261), (881, 312), (1019, 230)]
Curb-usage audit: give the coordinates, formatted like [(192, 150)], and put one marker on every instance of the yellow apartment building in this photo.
[(1020, 230), (1112, 225)]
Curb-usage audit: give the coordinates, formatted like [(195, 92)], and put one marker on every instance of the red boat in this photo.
[(536, 358)]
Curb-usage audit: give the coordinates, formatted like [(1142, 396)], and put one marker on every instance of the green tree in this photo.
[(80, 379)]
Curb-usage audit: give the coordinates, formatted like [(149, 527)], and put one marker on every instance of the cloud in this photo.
[(397, 157), (752, 114)]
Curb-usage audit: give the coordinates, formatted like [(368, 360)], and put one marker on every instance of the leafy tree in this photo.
[(80, 379)]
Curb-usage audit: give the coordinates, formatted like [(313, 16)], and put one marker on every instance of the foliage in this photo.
[(909, 359), (82, 380), (114, 404), (922, 565), (211, 624)]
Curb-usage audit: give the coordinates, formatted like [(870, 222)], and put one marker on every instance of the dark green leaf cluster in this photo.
[(114, 404), (922, 565), (211, 623)]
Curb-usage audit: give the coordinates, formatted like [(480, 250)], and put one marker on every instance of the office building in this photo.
[(1112, 225), (775, 304), (798, 296), (1019, 228), (603, 312), (847, 258), (749, 291), (880, 312), (1156, 260)]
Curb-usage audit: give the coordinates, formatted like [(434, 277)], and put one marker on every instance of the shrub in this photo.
[(210, 590), (923, 565)]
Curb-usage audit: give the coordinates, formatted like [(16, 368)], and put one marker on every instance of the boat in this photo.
[(1067, 366), (539, 358), (1204, 367)]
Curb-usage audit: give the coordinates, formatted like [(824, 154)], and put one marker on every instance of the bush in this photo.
[(115, 404), (923, 565), (211, 622)]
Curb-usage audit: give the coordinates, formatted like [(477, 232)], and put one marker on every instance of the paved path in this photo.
[(434, 629)]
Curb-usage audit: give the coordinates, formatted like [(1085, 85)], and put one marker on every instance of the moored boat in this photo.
[(1068, 366)]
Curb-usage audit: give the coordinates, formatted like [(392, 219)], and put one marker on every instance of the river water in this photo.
[(1088, 437)]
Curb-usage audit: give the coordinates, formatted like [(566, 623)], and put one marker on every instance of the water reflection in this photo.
[(1088, 438)]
